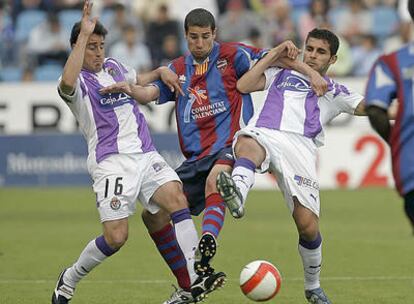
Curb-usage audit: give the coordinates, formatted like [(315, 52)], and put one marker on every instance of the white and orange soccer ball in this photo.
[(260, 280)]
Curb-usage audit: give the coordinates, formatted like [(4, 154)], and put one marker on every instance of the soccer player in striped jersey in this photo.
[(392, 77), (208, 114), (283, 137), (123, 163)]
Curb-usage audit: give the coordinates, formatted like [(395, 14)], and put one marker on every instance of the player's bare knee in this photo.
[(211, 184), (116, 238), (308, 232), (248, 147), (154, 222), (307, 222), (177, 201)]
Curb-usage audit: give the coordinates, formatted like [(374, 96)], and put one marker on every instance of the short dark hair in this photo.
[(98, 30), (326, 35), (199, 17), (411, 8)]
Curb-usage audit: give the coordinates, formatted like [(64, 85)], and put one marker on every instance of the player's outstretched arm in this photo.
[(254, 79), (165, 74), (142, 95), (378, 117), (360, 110), (74, 63)]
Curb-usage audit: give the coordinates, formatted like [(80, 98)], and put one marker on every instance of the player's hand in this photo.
[(288, 49), (171, 80), (318, 83), (119, 87), (87, 24)]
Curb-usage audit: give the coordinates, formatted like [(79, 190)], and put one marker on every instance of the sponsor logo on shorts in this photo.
[(306, 182), (115, 203), (229, 156), (159, 166), (313, 197)]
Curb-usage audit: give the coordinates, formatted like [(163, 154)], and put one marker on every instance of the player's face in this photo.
[(200, 41), (94, 54), (318, 55)]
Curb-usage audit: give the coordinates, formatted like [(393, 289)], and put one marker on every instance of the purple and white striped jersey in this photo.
[(291, 105), (110, 123)]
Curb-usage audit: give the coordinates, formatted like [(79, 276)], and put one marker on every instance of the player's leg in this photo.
[(116, 189), (293, 161), (165, 191), (214, 214), (250, 154), (409, 207), (171, 198), (96, 251), (162, 231), (310, 250)]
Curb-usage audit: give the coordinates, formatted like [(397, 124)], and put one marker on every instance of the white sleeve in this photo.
[(70, 98), (130, 75), (348, 100), (270, 75)]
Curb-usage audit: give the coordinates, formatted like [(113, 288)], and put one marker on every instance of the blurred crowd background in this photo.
[(34, 34)]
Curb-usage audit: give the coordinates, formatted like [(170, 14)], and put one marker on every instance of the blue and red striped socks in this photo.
[(167, 245), (213, 219)]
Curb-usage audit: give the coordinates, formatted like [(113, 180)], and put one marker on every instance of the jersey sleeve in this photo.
[(346, 99), (130, 75), (246, 57), (70, 98), (270, 75), (165, 93), (381, 87)]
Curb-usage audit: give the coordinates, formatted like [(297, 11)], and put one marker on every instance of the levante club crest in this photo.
[(222, 64)]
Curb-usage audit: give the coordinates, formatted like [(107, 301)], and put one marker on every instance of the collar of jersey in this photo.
[(189, 60)]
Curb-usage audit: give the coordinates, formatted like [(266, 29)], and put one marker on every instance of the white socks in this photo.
[(94, 253), (312, 260)]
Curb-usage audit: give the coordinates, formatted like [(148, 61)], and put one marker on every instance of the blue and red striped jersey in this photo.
[(212, 110), (392, 77)]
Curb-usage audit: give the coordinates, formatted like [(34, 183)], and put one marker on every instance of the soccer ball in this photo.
[(260, 280)]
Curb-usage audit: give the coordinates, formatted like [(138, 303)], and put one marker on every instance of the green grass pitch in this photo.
[(368, 249)]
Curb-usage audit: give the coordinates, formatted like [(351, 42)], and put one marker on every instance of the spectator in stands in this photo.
[(6, 36), (28, 74), (222, 5), (69, 4), (48, 42), (364, 55), (255, 39), (131, 50), (237, 22), (279, 24), (170, 50), (315, 17), (353, 21), (121, 18), (159, 28), (21, 5), (406, 25), (343, 64)]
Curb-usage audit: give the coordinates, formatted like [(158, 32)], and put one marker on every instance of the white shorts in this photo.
[(292, 159), (122, 178)]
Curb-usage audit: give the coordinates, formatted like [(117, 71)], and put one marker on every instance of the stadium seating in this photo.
[(385, 22), (68, 18), (26, 21), (48, 72), (10, 74)]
